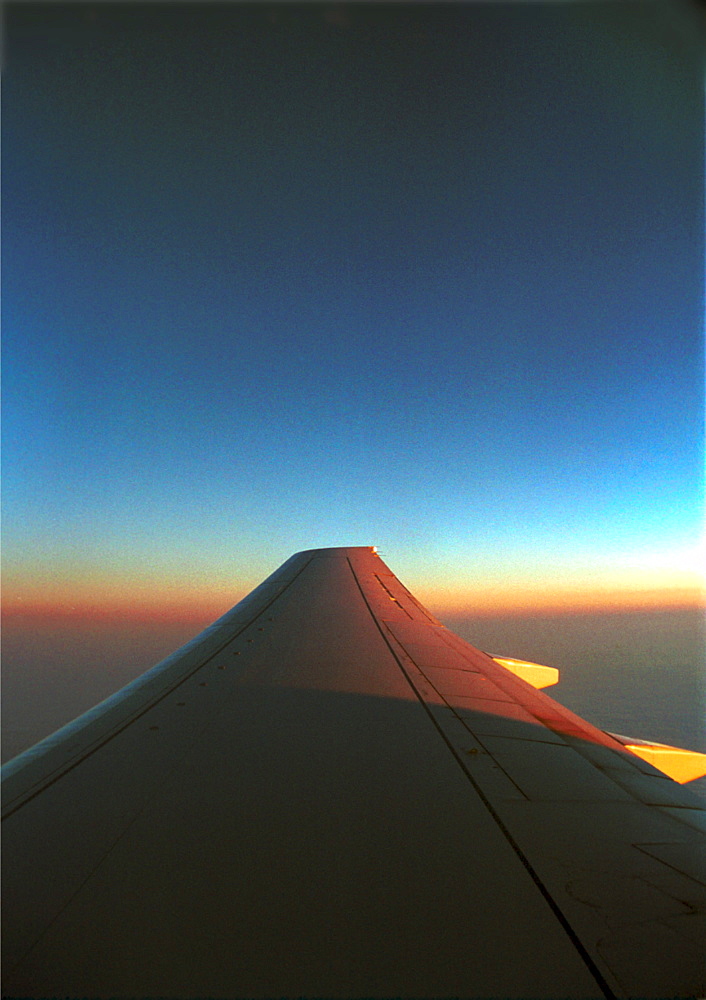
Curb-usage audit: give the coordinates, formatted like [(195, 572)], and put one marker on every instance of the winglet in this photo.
[(678, 764), (534, 673)]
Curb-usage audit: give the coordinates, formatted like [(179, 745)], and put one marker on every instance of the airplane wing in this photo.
[(329, 794)]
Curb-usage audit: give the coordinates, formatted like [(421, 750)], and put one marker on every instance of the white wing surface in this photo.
[(329, 794)]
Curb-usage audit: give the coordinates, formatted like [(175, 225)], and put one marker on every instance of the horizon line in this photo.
[(206, 610)]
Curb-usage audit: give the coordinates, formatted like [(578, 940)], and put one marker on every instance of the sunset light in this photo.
[(276, 279)]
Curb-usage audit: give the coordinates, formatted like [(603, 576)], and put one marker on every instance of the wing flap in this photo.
[(678, 764), (535, 674)]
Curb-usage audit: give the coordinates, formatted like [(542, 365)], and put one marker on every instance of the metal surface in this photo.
[(330, 794)]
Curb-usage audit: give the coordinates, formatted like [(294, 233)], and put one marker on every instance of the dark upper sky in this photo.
[(280, 276)]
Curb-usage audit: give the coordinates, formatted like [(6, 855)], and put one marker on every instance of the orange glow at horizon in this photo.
[(110, 598), (204, 593), (616, 589), (564, 602), (161, 600)]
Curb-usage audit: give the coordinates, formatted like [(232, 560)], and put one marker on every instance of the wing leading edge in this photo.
[(329, 793)]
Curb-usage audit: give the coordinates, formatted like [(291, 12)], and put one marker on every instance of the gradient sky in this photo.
[(281, 276)]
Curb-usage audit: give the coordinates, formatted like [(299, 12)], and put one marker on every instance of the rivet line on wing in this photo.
[(553, 905)]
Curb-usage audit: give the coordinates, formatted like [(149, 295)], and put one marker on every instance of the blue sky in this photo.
[(283, 276)]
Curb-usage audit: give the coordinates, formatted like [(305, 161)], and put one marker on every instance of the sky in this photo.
[(283, 276)]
